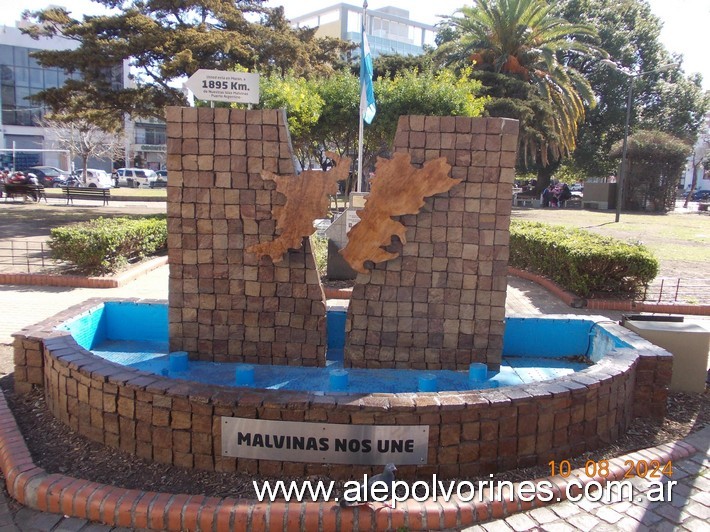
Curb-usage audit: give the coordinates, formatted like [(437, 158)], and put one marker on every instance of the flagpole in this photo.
[(362, 122)]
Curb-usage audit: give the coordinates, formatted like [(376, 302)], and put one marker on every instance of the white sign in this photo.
[(328, 443), (351, 218), (223, 86)]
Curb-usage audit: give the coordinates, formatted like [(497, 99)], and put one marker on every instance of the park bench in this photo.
[(73, 193), (574, 203), (703, 207), (23, 190)]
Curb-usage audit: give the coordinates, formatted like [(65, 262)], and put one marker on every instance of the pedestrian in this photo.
[(548, 196), (564, 195), (3, 179)]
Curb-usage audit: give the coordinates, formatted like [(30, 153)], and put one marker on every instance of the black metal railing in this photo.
[(678, 290), (25, 256)]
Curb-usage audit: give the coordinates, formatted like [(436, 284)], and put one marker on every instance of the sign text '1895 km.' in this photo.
[(224, 86)]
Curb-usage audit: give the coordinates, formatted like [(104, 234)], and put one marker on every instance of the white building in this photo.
[(21, 77), (389, 29)]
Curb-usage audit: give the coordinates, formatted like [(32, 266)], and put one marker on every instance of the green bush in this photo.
[(105, 245), (581, 262), (319, 247)]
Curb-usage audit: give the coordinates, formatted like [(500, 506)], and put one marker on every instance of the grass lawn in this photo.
[(680, 241), (34, 221)]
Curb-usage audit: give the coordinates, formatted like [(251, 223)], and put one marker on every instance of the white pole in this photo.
[(362, 110), (359, 153), (129, 133)]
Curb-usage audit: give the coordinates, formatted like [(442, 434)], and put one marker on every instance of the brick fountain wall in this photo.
[(441, 304), (471, 432), (225, 305)]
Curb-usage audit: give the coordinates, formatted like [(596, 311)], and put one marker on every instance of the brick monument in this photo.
[(441, 303), (225, 304)]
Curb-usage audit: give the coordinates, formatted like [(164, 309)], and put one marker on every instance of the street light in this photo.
[(632, 78)]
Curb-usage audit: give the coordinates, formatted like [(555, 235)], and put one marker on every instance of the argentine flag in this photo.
[(367, 94)]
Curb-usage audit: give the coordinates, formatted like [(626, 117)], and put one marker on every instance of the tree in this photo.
[(337, 129), (282, 49), (655, 162), (162, 42), (303, 105), (410, 92), (678, 107), (392, 64), (322, 112), (511, 97), (666, 101), (525, 40), (83, 139)]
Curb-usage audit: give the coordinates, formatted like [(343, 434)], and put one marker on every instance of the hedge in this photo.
[(104, 245), (581, 262)]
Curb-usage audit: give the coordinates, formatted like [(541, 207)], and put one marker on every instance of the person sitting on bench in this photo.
[(33, 182)]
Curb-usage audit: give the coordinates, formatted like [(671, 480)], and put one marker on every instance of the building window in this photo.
[(354, 22), (150, 135), (21, 56), (20, 77), (36, 78)]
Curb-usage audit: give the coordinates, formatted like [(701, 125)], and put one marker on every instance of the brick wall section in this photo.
[(471, 432), (441, 304), (653, 379), (225, 305)]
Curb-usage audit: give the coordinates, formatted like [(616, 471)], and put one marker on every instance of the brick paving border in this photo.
[(79, 281), (608, 304), (33, 487)]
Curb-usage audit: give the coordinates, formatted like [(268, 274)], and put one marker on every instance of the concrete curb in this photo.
[(72, 497)]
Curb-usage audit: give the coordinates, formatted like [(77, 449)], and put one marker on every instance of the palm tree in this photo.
[(523, 39)]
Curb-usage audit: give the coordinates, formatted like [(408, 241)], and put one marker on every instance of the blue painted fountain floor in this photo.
[(152, 357)]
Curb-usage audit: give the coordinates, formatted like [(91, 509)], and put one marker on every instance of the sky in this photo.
[(685, 22)]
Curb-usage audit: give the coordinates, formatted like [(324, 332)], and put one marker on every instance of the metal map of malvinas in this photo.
[(398, 189), (307, 198)]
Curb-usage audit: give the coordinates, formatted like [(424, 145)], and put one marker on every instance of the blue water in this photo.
[(535, 349)]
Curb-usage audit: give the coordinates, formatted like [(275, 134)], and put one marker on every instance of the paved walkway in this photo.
[(688, 509), (30, 304), (27, 305)]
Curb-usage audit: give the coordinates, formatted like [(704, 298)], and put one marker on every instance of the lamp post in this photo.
[(624, 146)]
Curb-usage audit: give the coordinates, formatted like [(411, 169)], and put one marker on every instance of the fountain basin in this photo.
[(535, 350), (471, 432)]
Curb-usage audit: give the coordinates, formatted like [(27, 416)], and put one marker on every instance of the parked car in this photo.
[(136, 177), (96, 178), (49, 176), (700, 195)]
